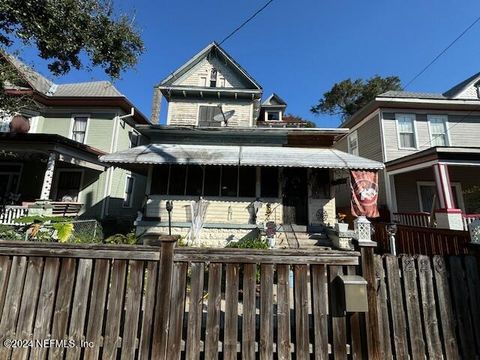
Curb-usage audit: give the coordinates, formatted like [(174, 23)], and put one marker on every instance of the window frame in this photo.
[(445, 124), (220, 123), (458, 193), (273, 111), (414, 125), (87, 127), (125, 193), (354, 151)]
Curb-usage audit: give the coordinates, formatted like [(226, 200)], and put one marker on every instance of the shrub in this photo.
[(8, 232), (129, 239), (248, 244)]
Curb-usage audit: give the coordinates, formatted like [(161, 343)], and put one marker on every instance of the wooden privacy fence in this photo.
[(137, 302), (421, 240), (429, 307)]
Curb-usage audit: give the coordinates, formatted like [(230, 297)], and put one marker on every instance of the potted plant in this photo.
[(340, 225)]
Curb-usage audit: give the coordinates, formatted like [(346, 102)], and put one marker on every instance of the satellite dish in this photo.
[(224, 116)]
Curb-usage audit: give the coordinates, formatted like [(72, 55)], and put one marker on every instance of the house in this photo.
[(49, 151), (223, 169), (430, 146)]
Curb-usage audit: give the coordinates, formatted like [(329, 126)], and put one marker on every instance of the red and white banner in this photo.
[(364, 186)]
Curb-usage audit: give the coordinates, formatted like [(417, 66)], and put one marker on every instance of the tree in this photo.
[(297, 121), (347, 97), (64, 30)]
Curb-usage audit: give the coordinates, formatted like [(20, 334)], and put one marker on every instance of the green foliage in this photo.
[(8, 232), (129, 239), (40, 219), (248, 244), (65, 30), (472, 199), (64, 231), (348, 96)]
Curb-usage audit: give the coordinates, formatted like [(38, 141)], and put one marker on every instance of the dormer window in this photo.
[(273, 116), (213, 78)]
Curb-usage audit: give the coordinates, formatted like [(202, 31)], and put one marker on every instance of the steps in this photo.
[(298, 239)]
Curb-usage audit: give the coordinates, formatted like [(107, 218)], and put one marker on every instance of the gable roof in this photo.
[(104, 91), (211, 48), (462, 86), (279, 101), (411, 95)]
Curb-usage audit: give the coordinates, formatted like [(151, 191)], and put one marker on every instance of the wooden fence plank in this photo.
[(63, 305), (283, 312), (339, 325), (5, 264), (45, 305), (396, 307), (432, 333), (412, 301), (177, 310), (266, 312), (460, 294), (382, 309), (133, 299), (249, 311), (116, 297), (212, 332), (79, 306), (446, 308), (97, 307), (231, 312), (301, 312), (473, 283), (195, 312), (148, 310), (28, 304), (319, 303), (12, 302), (356, 351)]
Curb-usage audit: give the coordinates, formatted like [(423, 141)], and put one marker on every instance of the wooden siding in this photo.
[(464, 130), (218, 210), (185, 112), (369, 141), (192, 77)]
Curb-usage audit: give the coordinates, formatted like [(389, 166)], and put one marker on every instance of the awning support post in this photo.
[(448, 216)]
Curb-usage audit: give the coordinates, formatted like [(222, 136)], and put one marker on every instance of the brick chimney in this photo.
[(156, 104)]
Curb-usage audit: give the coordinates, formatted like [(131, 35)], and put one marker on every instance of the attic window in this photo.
[(477, 86), (272, 115), (213, 78)]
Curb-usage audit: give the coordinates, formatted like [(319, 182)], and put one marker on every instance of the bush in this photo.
[(8, 232), (129, 239), (40, 219), (248, 244)]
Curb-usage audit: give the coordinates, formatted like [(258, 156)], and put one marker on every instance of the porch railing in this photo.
[(420, 219), (468, 219), (12, 212)]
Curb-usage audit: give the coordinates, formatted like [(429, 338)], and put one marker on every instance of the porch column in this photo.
[(448, 216), (48, 178)]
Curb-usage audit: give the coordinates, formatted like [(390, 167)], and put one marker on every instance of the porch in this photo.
[(49, 171), (438, 187), (243, 188)]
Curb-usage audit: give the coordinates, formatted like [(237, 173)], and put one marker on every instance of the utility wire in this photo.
[(443, 52), (246, 22)]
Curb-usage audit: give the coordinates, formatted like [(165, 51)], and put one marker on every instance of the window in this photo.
[(353, 143), (269, 182), (178, 174), (273, 115), (128, 197), (9, 180), (229, 180), (212, 181), (206, 114), (5, 123), (194, 180), (247, 181), (213, 78), (79, 128), (406, 131), (427, 191), (159, 184), (438, 130)]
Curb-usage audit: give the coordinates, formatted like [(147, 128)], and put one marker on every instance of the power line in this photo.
[(442, 52), (246, 22)]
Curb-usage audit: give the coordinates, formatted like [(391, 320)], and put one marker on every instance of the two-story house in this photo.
[(430, 145), (54, 154), (224, 168)]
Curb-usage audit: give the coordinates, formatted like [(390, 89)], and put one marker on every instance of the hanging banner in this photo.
[(364, 185)]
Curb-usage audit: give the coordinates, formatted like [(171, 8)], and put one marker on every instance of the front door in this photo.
[(295, 191)]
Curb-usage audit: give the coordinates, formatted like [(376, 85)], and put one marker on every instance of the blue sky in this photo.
[(299, 49)]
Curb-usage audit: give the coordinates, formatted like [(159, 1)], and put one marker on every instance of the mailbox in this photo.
[(351, 292)]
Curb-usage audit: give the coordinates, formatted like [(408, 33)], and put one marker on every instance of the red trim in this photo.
[(449, 211)]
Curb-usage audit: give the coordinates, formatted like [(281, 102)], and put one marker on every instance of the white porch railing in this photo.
[(419, 219), (12, 212), (468, 219)]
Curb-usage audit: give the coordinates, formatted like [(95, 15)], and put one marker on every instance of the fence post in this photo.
[(164, 290), (367, 247)]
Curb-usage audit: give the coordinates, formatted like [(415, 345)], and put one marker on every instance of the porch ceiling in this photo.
[(240, 155)]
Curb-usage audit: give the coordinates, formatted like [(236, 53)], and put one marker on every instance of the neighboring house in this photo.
[(430, 146), (57, 160), (215, 147)]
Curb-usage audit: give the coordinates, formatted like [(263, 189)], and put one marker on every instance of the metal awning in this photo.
[(154, 154)]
